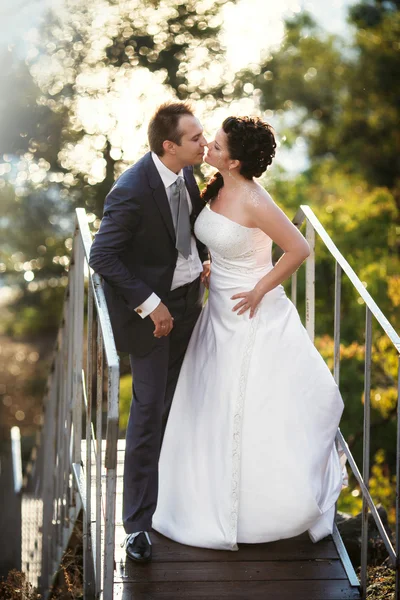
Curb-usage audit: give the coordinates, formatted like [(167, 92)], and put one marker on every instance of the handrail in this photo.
[(112, 358), (313, 226), (74, 397), (101, 305), (307, 213)]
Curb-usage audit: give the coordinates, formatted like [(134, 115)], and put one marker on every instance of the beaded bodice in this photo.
[(233, 246)]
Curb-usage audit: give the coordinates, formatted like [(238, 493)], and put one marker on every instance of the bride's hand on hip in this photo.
[(249, 301)]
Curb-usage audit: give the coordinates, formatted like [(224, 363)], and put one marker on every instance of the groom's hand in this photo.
[(162, 320)]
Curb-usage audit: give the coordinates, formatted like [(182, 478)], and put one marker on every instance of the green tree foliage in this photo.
[(343, 101), (86, 56), (53, 160), (344, 97)]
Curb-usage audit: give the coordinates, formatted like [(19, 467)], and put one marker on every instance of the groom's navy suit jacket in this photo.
[(134, 250)]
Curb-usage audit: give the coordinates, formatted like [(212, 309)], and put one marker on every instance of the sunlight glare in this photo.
[(252, 27)]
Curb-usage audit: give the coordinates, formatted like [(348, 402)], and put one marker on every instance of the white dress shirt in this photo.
[(187, 269)]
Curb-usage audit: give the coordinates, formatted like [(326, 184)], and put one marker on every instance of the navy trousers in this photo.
[(154, 378)]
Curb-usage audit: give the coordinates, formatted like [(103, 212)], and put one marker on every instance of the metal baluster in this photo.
[(58, 466), (62, 378), (338, 289), (78, 300), (336, 333), (111, 480), (48, 489), (310, 282), (294, 288), (99, 407), (87, 530), (68, 341), (366, 449), (55, 467), (56, 475)]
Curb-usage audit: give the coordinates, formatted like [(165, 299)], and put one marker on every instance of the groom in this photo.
[(151, 264)]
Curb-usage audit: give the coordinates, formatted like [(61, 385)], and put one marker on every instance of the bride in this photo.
[(249, 450)]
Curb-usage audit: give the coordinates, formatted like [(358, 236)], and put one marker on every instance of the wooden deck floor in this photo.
[(294, 569)]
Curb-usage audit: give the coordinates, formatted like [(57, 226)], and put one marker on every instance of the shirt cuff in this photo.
[(207, 262), (148, 306)]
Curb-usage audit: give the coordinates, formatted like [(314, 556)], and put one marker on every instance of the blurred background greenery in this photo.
[(76, 98)]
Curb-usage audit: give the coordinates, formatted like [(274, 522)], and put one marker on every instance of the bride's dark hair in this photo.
[(252, 142)]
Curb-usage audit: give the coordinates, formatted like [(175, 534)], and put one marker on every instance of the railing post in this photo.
[(294, 288), (99, 436), (49, 448), (67, 398), (366, 449), (78, 300), (88, 574), (52, 541), (310, 282), (63, 383), (338, 288), (111, 479)]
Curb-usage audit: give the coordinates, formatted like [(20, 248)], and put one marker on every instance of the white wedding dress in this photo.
[(249, 453)]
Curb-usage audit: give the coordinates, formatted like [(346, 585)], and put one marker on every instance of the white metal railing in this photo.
[(75, 477), (102, 359), (74, 409), (314, 226)]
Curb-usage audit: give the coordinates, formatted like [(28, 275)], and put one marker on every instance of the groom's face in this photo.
[(193, 143)]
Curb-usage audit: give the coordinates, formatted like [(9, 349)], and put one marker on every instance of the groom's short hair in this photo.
[(164, 125)]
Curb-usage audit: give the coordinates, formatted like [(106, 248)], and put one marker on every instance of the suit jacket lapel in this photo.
[(160, 195)]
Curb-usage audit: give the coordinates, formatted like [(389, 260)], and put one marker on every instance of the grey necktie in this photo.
[(180, 216)]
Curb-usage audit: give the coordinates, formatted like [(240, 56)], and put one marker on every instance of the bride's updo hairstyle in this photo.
[(251, 141)]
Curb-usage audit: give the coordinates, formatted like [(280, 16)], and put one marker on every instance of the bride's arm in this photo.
[(268, 217)]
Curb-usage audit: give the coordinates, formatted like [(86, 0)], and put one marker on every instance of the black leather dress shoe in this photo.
[(138, 547)]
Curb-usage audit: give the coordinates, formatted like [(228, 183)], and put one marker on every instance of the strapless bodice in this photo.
[(233, 246)]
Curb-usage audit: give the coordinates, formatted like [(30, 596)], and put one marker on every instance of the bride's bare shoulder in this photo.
[(260, 198)]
